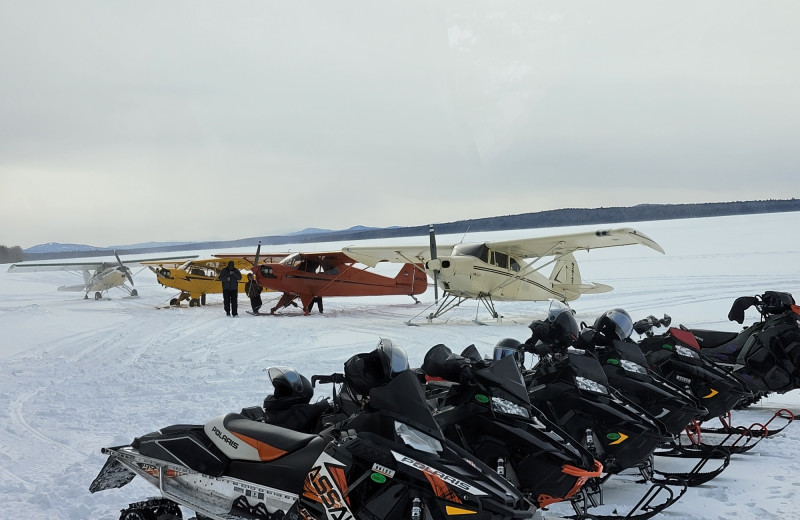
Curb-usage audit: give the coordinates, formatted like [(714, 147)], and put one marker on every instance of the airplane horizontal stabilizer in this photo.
[(72, 288), (584, 288)]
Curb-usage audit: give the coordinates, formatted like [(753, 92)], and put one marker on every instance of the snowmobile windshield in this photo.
[(631, 352), (588, 367), (505, 374), (404, 400)]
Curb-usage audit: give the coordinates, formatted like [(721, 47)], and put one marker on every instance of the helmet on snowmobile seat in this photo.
[(291, 388), (614, 324), (364, 372), (560, 328), (509, 347), (433, 364)]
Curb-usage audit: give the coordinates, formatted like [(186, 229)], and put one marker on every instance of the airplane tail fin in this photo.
[(412, 275), (566, 277)]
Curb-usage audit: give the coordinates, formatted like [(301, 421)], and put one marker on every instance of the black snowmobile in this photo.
[(484, 407), (388, 461), (675, 355), (571, 388), (766, 354), (628, 372)]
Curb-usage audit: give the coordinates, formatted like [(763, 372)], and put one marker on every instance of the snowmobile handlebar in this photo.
[(646, 325), (333, 378)]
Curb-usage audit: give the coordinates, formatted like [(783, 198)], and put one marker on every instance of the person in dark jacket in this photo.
[(230, 277), (253, 291)]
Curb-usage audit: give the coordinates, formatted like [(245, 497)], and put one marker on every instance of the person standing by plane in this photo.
[(253, 290), (230, 277)]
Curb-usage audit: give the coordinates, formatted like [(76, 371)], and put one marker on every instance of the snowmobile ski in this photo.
[(761, 431), (668, 491), (696, 476)]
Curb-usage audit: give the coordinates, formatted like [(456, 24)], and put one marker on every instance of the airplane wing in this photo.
[(335, 257), (417, 254), (264, 258), (34, 267), (557, 245), (30, 267)]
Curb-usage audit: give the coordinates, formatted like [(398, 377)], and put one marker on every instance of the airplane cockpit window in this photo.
[(514, 264), (479, 251), (311, 266), (329, 268), (500, 259), (291, 260)]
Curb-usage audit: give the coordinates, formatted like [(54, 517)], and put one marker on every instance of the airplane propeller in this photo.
[(124, 269), (433, 263), (258, 253)]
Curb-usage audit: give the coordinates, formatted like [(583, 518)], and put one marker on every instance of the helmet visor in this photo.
[(395, 357), (501, 352), (288, 375), (623, 324)]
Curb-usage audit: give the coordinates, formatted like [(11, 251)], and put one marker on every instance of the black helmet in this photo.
[(291, 388), (364, 372), (509, 347), (563, 326), (614, 324)]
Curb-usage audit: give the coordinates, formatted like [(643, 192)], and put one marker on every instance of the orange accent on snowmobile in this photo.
[(341, 481), (441, 489), (453, 511), (796, 309), (265, 451), (582, 474)]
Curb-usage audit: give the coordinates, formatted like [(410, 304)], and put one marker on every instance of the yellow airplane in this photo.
[(198, 277)]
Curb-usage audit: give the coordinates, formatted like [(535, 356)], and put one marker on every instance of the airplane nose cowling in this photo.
[(433, 264)]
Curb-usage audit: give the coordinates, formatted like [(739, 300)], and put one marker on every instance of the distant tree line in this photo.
[(541, 219), (9, 255)]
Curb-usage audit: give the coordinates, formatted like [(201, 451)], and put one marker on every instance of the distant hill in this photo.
[(551, 218), (318, 231), (55, 247)]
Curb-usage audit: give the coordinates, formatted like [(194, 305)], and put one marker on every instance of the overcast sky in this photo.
[(135, 121)]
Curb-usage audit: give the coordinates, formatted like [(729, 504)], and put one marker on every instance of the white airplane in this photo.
[(506, 269), (98, 277)]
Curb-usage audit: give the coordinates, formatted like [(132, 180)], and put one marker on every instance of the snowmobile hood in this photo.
[(505, 374), (588, 367), (404, 399)]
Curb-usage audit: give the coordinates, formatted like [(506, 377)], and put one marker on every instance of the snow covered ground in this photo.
[(77, 375)]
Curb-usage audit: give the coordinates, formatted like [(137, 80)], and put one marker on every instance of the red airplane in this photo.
[(312, 276)]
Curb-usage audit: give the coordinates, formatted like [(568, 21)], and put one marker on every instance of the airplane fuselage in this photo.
[(195, 282), (105, 280), (469, 277), (341, 280)]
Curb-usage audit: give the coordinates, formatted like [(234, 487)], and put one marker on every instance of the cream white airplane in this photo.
[(98, 277), (506, 269)]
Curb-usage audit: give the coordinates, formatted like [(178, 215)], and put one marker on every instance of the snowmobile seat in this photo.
[(713, 338), (282, 439)]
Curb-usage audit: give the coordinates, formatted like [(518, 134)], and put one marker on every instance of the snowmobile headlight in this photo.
[(507, 407), (631, 366), (416, 439), (685, 351), (590, 386)]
